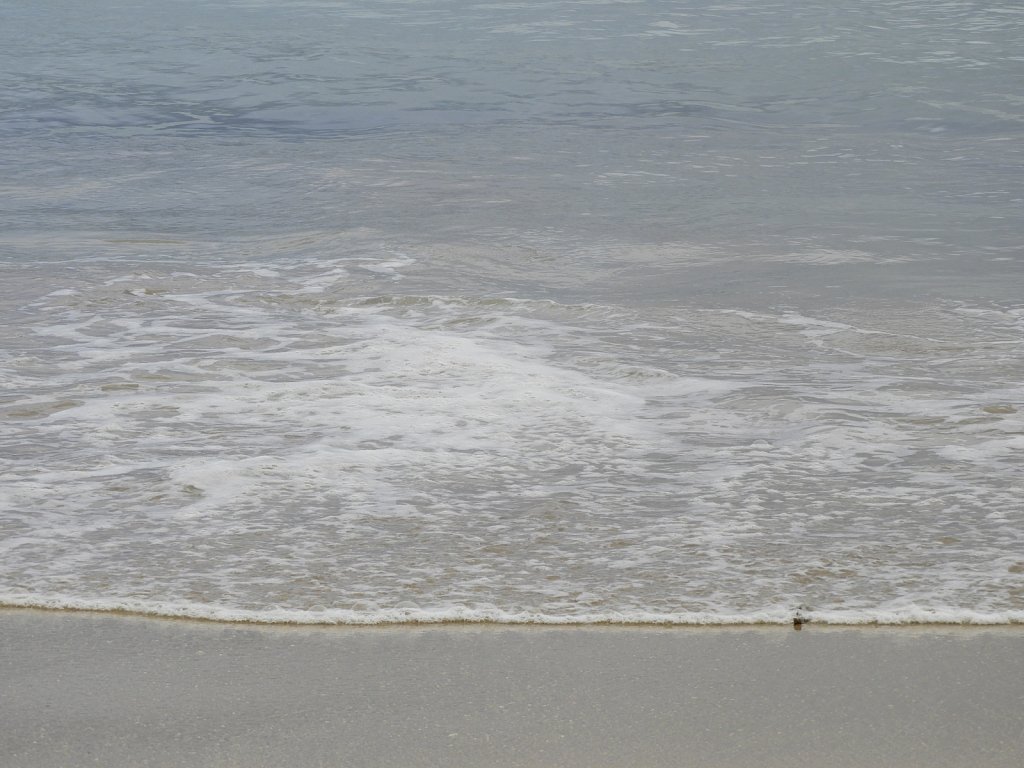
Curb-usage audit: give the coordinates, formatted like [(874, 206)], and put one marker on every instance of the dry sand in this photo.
[(90, 689)]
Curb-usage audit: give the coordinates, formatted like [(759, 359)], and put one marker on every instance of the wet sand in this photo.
[(93, 689)]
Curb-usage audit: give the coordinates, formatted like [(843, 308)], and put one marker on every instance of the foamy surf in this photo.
[(239, 442), (470, 324), (907, 616)]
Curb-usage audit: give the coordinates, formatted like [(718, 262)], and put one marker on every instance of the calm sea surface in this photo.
[(358, 311)]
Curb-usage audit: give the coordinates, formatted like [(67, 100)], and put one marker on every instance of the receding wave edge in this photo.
[(464, 615)]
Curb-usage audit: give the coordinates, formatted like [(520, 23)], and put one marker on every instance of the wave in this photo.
[(909, 615)]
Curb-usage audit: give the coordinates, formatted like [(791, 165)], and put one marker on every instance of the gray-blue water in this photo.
[(542, 311)]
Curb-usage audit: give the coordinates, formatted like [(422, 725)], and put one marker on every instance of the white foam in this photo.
[(256, 444), (458, 614)]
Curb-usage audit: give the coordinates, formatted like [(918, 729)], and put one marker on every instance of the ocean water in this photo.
[(568, 311)]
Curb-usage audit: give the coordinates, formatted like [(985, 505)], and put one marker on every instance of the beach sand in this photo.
[(94, 689)]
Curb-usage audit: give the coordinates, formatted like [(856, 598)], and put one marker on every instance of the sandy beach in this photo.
[(110, 690)]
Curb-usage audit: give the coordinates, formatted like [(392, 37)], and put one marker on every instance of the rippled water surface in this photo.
[(562, 311)]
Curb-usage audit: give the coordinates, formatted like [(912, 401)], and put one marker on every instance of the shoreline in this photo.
[(123, 690), (908, 617)]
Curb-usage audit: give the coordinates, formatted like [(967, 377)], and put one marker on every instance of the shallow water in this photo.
[(680, 312)]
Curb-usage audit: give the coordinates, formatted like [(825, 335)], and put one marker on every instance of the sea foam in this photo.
[(239, 442)]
